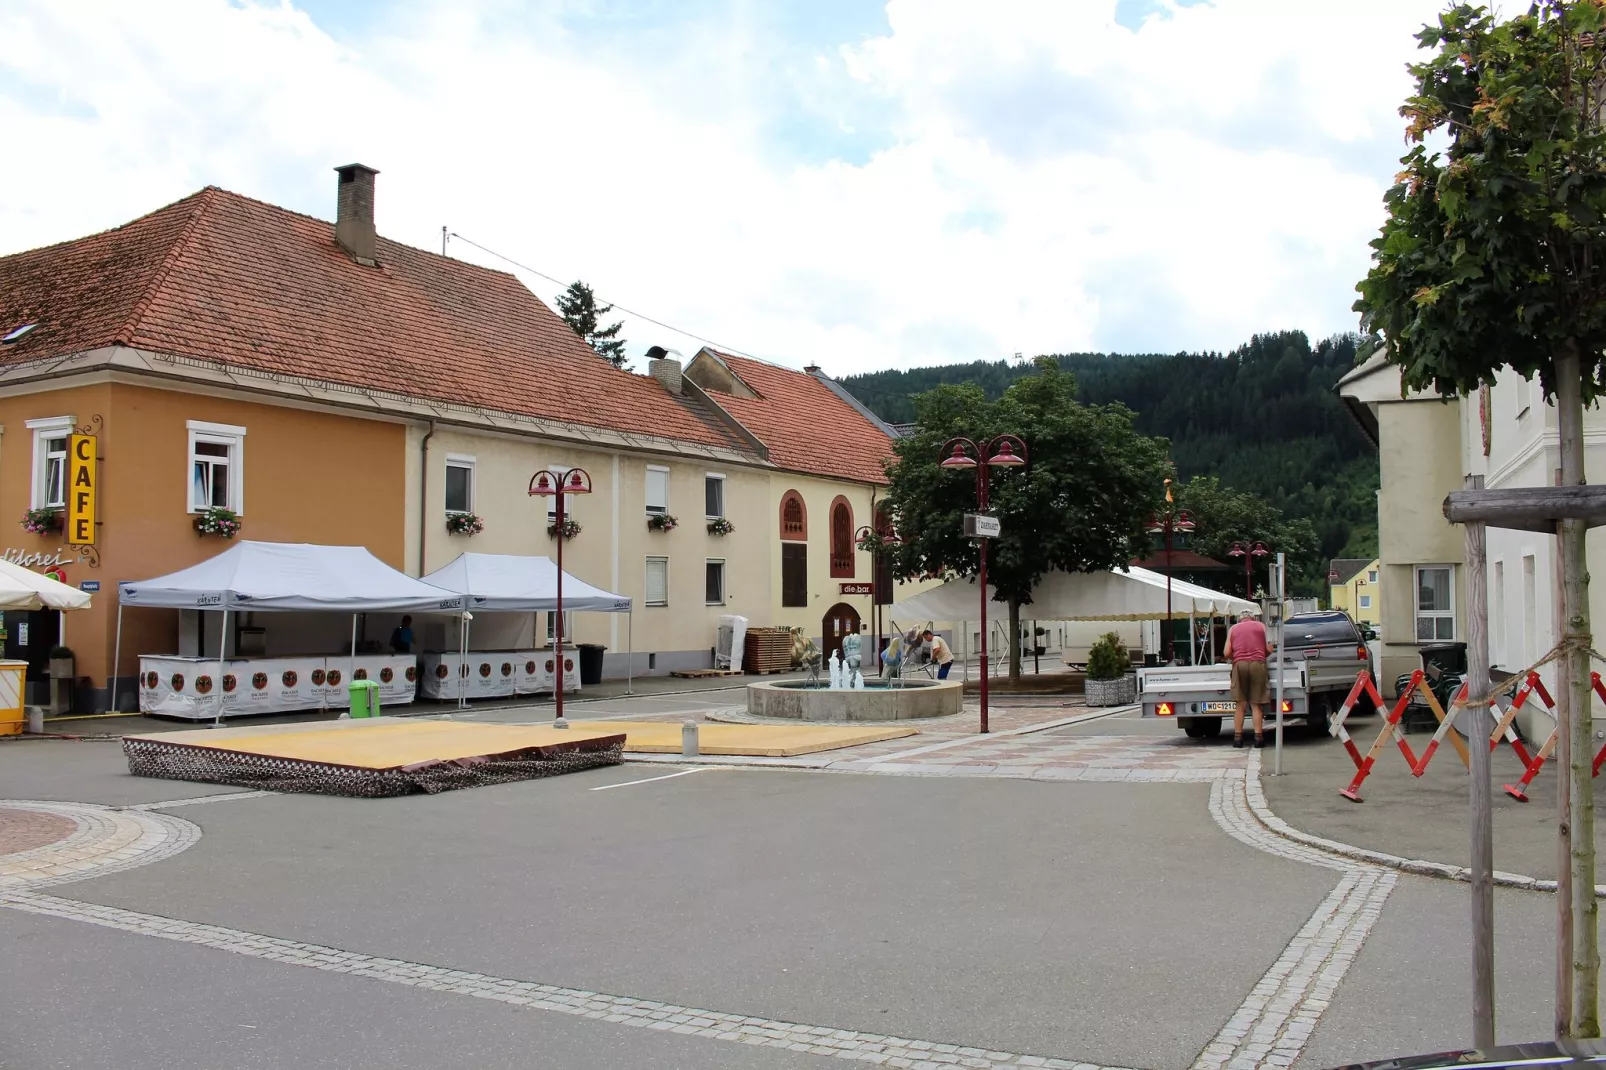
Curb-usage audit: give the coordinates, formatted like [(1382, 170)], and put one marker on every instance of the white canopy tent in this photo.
[(1135, 595), (23, 589), (509, 583), (282, 576)]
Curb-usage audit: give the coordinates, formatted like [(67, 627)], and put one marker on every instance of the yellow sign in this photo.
[(83, 485)]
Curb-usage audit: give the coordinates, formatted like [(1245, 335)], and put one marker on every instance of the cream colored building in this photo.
[(1420, 554)]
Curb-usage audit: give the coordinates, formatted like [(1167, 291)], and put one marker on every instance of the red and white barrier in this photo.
[(1391, 729), (1519, 790)]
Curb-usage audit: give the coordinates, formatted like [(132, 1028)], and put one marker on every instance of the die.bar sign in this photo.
[(82, 486), (858, 588)]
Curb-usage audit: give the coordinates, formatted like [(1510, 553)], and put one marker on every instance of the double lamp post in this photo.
[(1004, 451), (558, 485)]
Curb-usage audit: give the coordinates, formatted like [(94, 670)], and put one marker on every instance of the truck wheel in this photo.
[(1202, 727)]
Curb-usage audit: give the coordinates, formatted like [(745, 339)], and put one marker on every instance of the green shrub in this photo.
[(1107, 659)]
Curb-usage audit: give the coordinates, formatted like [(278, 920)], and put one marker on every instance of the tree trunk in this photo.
[(1578, 971), (1014, 641)]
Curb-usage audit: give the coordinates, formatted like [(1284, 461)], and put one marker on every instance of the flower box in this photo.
[(720, 527), (661, 522), (42, 521), (464, 524), (570, 529), (224, 523)]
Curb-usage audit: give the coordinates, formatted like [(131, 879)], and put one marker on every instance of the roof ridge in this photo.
[(204, 198)]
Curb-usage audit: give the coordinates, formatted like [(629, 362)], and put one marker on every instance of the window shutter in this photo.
[(794, 574), (657, 581), (657, 490)]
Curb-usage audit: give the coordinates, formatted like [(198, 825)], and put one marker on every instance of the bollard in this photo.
[(36, 720), (688, 739)]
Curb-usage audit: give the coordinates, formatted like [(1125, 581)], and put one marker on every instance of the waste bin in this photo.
[(1445, 658), (591, 663), (364, 698)]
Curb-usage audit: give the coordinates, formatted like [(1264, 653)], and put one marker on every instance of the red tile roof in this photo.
[(806, 425), (221, 277)]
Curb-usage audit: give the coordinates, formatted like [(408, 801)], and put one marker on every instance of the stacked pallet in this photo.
[(767, 650)]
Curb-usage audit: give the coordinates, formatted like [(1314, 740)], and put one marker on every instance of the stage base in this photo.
[(373, 758)]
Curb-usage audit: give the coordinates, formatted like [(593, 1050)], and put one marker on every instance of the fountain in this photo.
[(841, 693)]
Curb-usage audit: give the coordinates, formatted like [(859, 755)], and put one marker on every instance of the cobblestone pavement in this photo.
[(101, 840), (23, 830)]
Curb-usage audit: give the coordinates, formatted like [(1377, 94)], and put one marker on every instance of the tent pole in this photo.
[(351, 662), (222, 652), (964, 646), (117, 655), (630, 651), (462, 650)]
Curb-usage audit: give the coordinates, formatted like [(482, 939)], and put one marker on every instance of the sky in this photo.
[(850, 183)]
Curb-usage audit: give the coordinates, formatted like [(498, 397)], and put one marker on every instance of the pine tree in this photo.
[(578, 307)]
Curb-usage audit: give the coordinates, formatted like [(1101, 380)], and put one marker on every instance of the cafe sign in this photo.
[(857, 588), (83, 487)]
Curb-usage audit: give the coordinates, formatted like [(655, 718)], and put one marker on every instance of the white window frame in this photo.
[(43, 431), (723, 575), (1418, 614), (229, 435), (647, 488), (1366, 601), (724, 505), (645, 586), (460, 460), (1371, 576)]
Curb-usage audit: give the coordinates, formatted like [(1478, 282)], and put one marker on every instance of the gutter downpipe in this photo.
[(423, 498)]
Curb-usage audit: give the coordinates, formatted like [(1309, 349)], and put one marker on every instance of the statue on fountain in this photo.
[(810, 660), (851, 644)]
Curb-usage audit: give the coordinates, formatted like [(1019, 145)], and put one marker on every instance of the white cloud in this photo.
[(1042, 179)]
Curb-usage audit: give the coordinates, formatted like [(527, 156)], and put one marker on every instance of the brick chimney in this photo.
[(354, 218), (664, 368)]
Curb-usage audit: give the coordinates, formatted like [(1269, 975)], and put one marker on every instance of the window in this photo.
[(1530, 611), (794, 518), (568, 628), (552, 499), (715, 583), (841, 539), (459, 484), (1435, 604), (657, 490), (714, 492), (795, 574), (49, 462), (1366, 601), (1371, 576), (217, 467), (1497, 613), (657, 581)]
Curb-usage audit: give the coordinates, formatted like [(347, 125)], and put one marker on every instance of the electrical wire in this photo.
[(639, 315)]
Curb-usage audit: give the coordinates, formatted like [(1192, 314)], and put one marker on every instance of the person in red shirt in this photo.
[(1247, 650)]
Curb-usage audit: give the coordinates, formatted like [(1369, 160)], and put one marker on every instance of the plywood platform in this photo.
[(377, 757), (756, 740)]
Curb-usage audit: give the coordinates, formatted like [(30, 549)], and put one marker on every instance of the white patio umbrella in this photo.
[(22, 589)]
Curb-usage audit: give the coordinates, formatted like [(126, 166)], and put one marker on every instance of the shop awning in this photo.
[(22, 588), (508, 583), (293, 576), (1136, 594)]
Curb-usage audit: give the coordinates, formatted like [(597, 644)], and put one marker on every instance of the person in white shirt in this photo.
[(941, 653)]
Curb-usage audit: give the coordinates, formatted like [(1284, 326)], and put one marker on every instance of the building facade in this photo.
[(323, 384), (1355, 586)]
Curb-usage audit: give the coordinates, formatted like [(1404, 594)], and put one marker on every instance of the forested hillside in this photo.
[(1263, 418)]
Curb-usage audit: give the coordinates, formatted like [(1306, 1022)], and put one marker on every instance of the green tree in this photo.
[(1494, 255), (1224, 516), (1079, 506), (578, 307)]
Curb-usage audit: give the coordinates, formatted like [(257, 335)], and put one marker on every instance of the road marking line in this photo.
[(225, 796), (1275, 1021), (649, 780), (618, 1010)]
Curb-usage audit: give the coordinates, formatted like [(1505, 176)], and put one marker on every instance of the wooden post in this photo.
[(1580, 955), (1482, 863)]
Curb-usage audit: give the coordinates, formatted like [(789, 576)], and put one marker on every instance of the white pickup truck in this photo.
[(1325, 651)]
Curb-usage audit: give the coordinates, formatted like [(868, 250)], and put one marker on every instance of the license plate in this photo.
[(1219, 707)]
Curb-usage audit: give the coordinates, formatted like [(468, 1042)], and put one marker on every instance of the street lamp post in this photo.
[(1169, 523), (557, 485), (868, 538), (1249, 551), (1005, 451)]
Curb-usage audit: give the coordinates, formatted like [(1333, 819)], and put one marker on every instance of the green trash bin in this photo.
[(364, 698)]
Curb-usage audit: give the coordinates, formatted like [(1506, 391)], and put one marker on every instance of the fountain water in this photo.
[(858, 680)]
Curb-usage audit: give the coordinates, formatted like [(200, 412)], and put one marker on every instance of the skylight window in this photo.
[(16, 334)]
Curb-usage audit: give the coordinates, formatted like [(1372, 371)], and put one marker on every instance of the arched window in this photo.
[(842, 554), (794, 518)]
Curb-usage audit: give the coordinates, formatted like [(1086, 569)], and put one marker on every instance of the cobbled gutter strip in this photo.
[(873, 1048)]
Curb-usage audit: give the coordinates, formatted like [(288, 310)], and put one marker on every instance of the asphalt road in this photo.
[(1101, 922)]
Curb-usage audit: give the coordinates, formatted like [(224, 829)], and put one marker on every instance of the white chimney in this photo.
[(664, 368)]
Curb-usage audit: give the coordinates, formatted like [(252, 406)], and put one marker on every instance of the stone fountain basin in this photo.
[(876, 702)]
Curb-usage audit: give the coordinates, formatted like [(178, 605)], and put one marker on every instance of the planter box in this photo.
[(1121, 691)]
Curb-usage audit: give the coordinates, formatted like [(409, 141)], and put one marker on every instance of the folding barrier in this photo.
[(1391, 728), (1503, 728), (1519, 790)]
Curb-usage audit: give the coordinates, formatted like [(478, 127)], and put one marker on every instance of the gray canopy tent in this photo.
[(511, 583), (282, 577)]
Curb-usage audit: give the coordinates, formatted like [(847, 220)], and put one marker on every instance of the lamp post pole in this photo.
[(1168, 523), (1248, 551), (558, 485), (1004, 451), (876, 542)]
